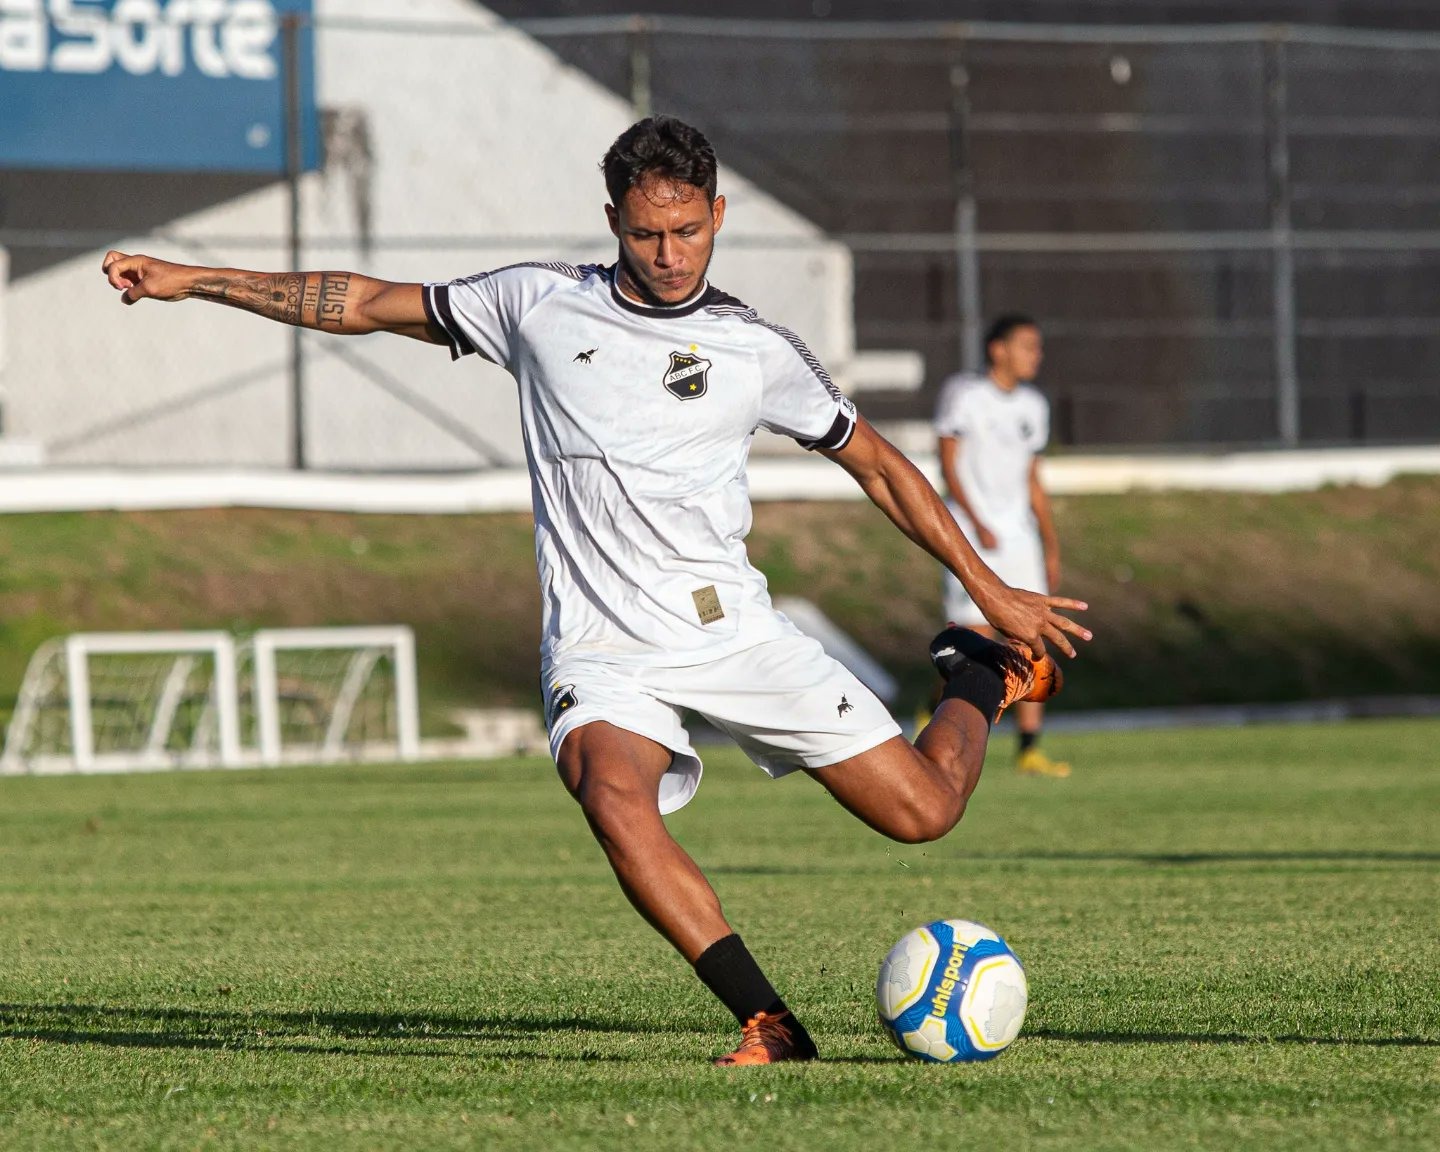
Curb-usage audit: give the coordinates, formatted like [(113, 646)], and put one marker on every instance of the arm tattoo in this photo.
[(290, 297), (274, 297), (286, 291), (331, 309)]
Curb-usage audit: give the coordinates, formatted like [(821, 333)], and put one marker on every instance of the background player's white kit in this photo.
[(637, 423), (1000, 432)]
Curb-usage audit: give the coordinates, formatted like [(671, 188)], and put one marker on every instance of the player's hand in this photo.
[(144, 277), (988, 540), (1033, 619)]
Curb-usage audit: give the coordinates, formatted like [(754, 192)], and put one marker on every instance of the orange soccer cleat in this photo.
[(768, 1039), (1023, 676)]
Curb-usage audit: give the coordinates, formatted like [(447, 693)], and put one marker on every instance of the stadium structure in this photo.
[(428, 174), (1199, 223)]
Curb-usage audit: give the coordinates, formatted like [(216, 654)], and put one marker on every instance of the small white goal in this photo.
[(128, 701), (121, 701), (332, 694)]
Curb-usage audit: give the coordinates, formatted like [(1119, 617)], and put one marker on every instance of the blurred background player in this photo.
[(992, 430)]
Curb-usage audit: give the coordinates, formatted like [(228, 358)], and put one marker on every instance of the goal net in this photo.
[(117, 701), (330, 694), (96, 702)]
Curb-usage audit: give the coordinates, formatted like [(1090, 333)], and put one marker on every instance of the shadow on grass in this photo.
[(1228, 1038), (423, 1034), (1363, 856), (1154, 859), (305, 1033)]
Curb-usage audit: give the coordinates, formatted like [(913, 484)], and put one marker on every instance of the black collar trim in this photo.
[(709, 296)]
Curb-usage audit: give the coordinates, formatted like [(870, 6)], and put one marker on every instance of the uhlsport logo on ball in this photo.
[(952, 991)]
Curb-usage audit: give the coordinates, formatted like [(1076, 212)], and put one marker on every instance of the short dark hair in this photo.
[(1004, 325), (661, 146)]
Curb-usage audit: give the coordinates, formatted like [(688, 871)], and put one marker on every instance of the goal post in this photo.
[(118, 701), (131, 701), (337, 696), (80, 647)]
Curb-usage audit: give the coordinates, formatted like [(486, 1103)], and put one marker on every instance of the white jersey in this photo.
[(1000, 434), (637, 424)]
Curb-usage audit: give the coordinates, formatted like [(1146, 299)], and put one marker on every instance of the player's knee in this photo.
[(921, 818)]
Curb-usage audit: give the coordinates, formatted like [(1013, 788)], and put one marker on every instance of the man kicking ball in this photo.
[(641, 387)]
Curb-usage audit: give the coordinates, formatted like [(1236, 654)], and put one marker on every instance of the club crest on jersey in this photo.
[(562, 699), (688, 376)]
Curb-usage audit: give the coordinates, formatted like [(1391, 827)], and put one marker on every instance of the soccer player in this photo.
[(641, 387), (992, 429)]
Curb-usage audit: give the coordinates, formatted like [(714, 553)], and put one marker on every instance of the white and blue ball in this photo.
[(952, 991)]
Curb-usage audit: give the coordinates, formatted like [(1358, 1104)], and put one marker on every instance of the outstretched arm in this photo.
[(342, 302), (901, 491)]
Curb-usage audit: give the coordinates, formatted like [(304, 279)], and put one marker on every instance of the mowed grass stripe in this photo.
[(1229, 935)]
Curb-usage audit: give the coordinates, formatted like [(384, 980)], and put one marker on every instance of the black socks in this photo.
[(729, 971), (1028, 740), (977, 685)]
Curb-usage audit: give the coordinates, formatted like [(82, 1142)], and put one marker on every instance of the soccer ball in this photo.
[(952, 991)]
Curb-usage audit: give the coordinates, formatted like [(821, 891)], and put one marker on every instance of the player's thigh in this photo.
[(599, 754), (611, 738), (894, 789)]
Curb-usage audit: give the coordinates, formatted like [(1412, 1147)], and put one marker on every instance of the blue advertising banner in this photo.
[(154, 85)]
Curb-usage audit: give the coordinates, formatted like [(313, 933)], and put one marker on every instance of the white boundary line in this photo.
[(786, 477)]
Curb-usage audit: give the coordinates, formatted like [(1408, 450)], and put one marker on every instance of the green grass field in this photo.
[(1231, 938)]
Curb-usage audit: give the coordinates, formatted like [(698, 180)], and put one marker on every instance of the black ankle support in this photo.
[(729, 971), (977, 685)]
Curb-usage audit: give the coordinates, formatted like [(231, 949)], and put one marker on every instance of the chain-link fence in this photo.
[(1225, 232)]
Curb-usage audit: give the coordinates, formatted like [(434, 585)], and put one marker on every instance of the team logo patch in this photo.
[(688, 376), (562, 699)]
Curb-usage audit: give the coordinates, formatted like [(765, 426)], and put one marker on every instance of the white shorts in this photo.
[(785, 702), (1019, 561)]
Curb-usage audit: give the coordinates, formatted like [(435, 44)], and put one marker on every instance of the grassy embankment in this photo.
[(1195, 597)]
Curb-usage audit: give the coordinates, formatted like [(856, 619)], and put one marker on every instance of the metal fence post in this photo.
[(640, 96), (1282, 250), (967, 251), (294, 168)]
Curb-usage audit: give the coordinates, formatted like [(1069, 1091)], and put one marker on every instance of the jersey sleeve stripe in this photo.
[(559, 267), (803, 351), (841, 429), (750, 316), (437, 309), (843, 426)]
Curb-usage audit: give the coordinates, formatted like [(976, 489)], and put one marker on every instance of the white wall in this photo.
[(474, 137)]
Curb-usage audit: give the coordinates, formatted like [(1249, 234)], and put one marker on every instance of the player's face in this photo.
[(667, 234), (1019, 354)]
